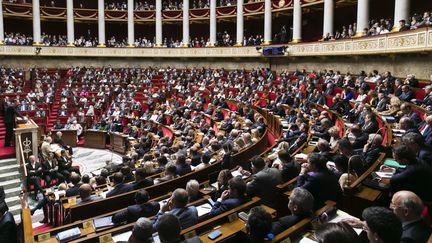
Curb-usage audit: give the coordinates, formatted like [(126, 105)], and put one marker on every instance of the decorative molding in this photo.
[(401, 42)]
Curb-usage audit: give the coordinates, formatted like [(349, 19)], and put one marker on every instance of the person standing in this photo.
[(9, 121)]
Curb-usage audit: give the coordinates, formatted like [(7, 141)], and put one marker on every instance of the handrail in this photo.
[(23, 164)]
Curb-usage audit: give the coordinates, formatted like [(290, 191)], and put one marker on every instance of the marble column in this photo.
[(158, 23), (101, 23), (328, 17), (213, 23), (267, 22), (185, 23), (36, 23), (240, 25), (131, 25), (70, 23), (362, 17), (1, 23), (297, 22), (402, 12)]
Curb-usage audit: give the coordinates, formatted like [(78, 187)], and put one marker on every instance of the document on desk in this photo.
[(68, 234), (236, 173), (341, 215), (103, 222), (203, 209), (384, 175), (122, 237)]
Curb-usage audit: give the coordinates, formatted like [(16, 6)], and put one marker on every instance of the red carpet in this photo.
[(41, 228), (6, 152)]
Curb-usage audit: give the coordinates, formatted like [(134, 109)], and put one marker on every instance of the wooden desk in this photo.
[(95, 139), (228, 230), (69, 136), (118, 142)]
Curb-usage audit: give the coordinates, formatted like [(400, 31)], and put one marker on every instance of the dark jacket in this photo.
[(225, 205), (73, 191), (119, 189), (183, 169), (134, 212), (285, 222), (142, 184), (415, 178), (264, 184), (415, 232), (8, 228), (322, 185)]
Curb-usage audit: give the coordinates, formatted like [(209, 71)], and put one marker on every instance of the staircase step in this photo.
[(13, 192), (8, 168), (10, 184), (10, 175), (5, 162), (12, 200), (15, 209)]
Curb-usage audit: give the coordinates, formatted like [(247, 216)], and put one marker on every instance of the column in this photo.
[(362, 17), (131, 25), (402, 12), (70, 23), (185, 23), (297, 22), (240, 31), (36, 23), (267, 22), (158, 23), (101, 23), (1, 23), (328, 17), (212, 41)]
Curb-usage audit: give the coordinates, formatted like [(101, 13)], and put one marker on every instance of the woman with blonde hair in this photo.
[(334, 132), (395, 104)]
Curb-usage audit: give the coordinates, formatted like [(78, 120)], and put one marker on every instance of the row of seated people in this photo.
[(320, 159)]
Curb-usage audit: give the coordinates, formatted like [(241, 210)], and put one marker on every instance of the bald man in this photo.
[(408, 207), (85, 192)]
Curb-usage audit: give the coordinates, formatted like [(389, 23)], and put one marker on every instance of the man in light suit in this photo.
[(408, 207), (264, 181)]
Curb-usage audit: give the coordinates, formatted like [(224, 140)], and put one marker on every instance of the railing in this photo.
[(56, 13), (419, 40), (22, 162)]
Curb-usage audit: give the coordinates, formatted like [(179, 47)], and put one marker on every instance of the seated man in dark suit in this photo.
[(407, 94), (50, 170), (76, 181), (65, 165), (230, 198), (264, 181), (58, 139), (140, 179), (408, 207), (142, 208), (181, 165), (371, 150), (85, 193), (406, 111), (360, 137), (414, 141), (169, 228), (300, 204), (177, 205), (119, 185), (426, 130), (415, 177), (34, 174), (8, 228), (318, 180)]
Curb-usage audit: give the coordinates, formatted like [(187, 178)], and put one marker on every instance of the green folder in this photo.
[(393, 163)]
